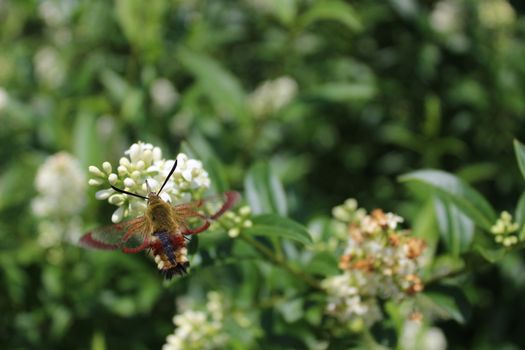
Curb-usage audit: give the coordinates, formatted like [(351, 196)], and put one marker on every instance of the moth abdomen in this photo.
[(171, 255)]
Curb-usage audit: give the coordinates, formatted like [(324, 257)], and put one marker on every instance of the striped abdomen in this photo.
[(170, 254)]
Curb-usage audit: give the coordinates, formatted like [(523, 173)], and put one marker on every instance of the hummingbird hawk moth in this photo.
[(163, 229)]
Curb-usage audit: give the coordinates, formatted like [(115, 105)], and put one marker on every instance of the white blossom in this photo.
[(416, 335), (199, 329), (61, 185), (380, 260), (447, 16), (272, 95), (496, 14), (56, 12), (49, 67), (163, 94), (143, 170)]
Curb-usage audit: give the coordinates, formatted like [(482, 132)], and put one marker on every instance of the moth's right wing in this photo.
[(131, 236), (198, 215)]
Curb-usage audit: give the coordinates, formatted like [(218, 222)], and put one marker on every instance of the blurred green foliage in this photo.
[(383, 88)]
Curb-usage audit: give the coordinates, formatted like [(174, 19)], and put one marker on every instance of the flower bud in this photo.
[(95, 171), (107, 167), (128, 182), (245, 210), (117, 199), (112, 178), (95, 182), (234, 232), (103, 194), (124, 162), (117, 215)]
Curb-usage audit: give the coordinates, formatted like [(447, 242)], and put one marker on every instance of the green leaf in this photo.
[(332, 10), (222, 87), (98, 341), (449, 302), (467, 199), (284, 10), (520, 210), (490, 254), (291, 310), (264, 190), (324, 264), (85, 145), (116, 86), (457, 229), (271, 225), (143, 25), (14, 185), (519, 149)]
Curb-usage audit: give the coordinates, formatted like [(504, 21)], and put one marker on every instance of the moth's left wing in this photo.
[(130, 236)]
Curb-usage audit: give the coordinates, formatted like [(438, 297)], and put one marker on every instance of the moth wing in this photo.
[(198, 215), (130, 236)]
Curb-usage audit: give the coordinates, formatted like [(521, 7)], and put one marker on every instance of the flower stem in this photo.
[(280, 261)]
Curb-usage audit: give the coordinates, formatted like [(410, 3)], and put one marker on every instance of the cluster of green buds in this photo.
[(505, 230), (380, 260), (237, 220)]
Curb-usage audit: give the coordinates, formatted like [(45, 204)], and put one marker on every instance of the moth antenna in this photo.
[(126, 192), (168, 177)]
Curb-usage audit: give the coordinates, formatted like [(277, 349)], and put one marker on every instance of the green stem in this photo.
[(280, 261)]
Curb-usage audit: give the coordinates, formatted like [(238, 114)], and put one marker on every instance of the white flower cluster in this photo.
[(200, 329), (56, 12), (380, 260), (416, 335), (447, 16), (448, 19), (272, 95), (49, 67), (496, 14), (238, 220), (143, 166), (163, 94), (61, 185), (505, 231)]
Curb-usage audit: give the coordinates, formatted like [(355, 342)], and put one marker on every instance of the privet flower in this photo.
[(60, 183), (163, 94), (496, 14), (272, 95), (447, 17), (209, 327), (380, 260), (143, 162), (505, 231), (448, 20), (49, 67), (56, 13), (415, 335)]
